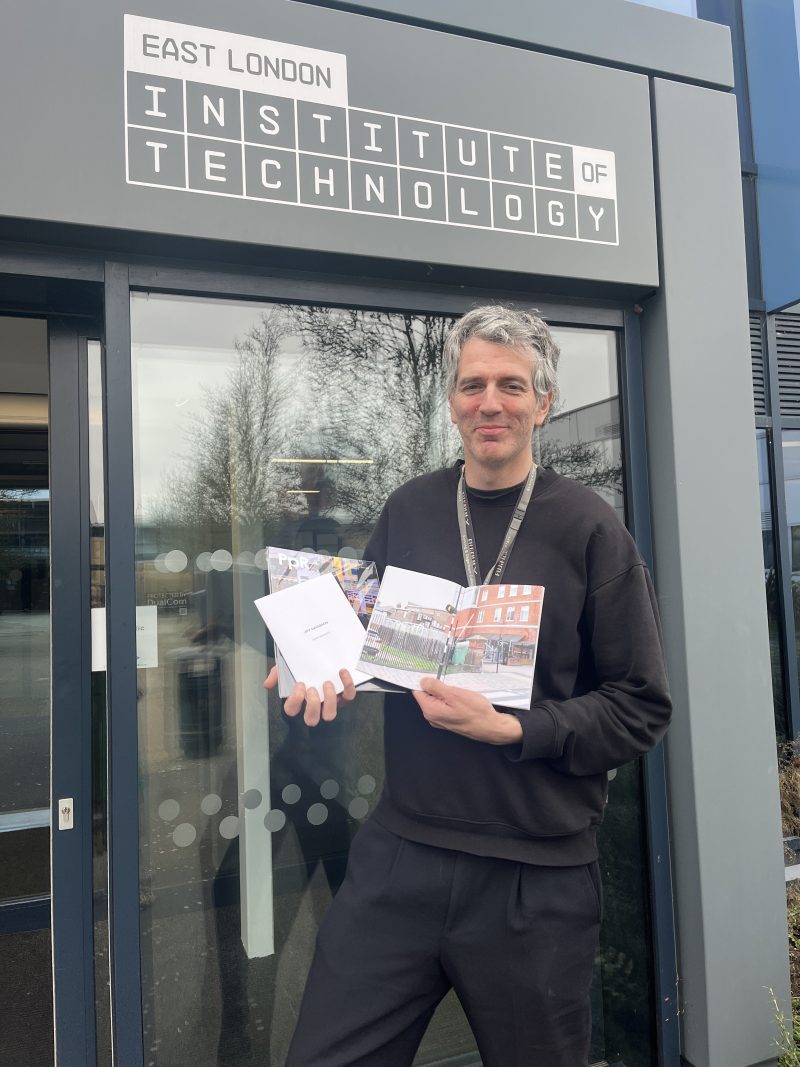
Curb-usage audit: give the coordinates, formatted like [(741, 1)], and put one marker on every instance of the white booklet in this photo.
[(317, 630), (358, 579), (482, 638)]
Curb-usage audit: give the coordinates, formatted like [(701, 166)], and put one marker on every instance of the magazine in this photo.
[(317, 630), (481, 637), (358, 579)]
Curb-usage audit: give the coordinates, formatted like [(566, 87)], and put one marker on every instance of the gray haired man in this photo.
[(478, 869)]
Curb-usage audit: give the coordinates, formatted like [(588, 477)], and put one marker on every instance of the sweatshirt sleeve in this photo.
[(629, 709)]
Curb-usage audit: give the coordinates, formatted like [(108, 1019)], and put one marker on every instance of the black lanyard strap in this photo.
[(468, 546)]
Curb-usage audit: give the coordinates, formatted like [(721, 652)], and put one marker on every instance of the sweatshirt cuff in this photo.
[(539, 734)]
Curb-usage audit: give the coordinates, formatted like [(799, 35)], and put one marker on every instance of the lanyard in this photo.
[(468, 547)]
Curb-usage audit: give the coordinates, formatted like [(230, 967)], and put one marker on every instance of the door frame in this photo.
[(71, 870), (72, 917), (67, 911), (275, 286)]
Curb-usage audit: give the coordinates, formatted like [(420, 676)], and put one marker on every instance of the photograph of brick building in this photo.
[(482, 638), (500, 627)]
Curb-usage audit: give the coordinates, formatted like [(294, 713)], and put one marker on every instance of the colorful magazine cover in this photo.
[(482, 637), (358, 579)]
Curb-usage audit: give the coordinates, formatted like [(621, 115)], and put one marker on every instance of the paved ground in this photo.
[(508, 687), (501, 686), (24, 710)]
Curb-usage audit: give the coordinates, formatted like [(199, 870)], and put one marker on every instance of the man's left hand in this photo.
[(447, 707)]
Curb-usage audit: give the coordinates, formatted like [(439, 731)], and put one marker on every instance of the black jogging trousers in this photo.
[(515, 941)]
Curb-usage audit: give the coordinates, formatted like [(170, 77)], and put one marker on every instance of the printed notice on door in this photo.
[(146, 637)]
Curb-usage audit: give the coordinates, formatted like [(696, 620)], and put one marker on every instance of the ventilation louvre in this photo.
[(757, 359), (787, 338)]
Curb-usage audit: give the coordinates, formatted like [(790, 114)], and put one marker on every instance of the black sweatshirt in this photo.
[(600, 695)]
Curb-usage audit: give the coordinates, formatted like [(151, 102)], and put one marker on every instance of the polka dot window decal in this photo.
[(252, 798), (210, 804), (358, 807), (168, 810), (275, 820), (317, 814), (184, 834), (229, 827), (366, 784)]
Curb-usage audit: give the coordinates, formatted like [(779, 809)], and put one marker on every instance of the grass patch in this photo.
[(788, 1042), (401, 660)]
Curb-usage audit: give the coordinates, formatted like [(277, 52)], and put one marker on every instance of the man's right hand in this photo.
[(316, 710)]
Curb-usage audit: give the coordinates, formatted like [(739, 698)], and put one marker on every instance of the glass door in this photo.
[(26, 979), (246, 817), (46, 945)]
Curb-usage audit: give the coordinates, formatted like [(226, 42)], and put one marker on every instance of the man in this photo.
[(478, 869)]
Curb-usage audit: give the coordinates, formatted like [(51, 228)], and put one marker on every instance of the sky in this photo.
[(402, 587)]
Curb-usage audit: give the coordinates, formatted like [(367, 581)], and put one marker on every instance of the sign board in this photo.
[(284, 124), (262, 120)]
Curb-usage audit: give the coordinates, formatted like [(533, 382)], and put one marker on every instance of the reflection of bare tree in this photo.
[(365, 386), (227, 475), (361, 386), (583, 461), (389, 407)]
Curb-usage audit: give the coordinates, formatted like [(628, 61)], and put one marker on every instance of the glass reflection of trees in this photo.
[(387, 416), (320, 415)]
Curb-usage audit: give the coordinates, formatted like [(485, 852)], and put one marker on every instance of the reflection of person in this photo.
[(478, 870), (317, 530)]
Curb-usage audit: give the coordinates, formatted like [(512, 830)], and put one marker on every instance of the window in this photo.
[(480, 616), (240, 855), (509, 614), (581, 439), (513, 591), (230, 458), (524, 613)]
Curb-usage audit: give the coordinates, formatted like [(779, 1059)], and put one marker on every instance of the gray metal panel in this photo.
[(607, 31), (72, 169), (722, 765)]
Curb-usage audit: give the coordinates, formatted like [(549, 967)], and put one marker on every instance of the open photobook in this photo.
[(481, 637), (357, 578)]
